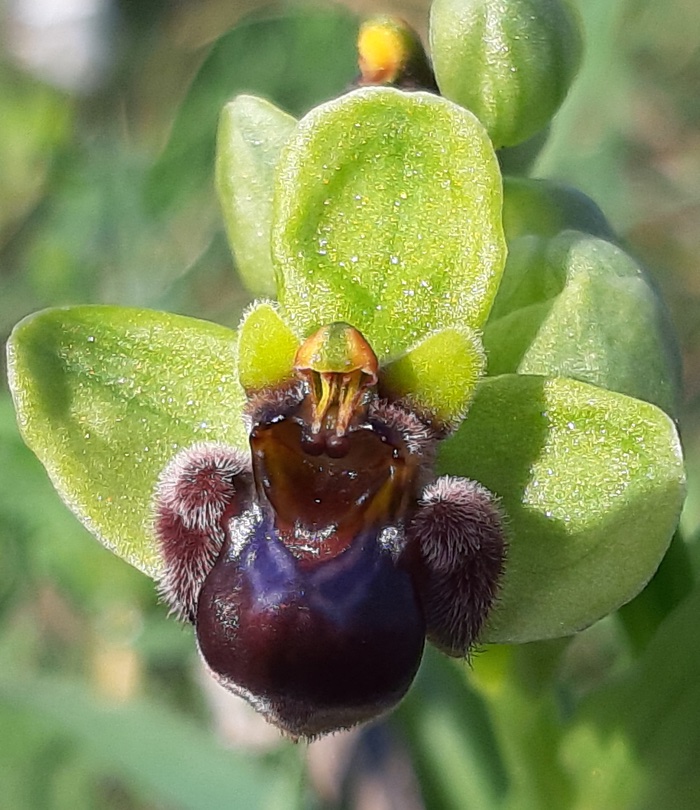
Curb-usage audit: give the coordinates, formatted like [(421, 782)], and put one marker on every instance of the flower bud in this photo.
[(511, 63)]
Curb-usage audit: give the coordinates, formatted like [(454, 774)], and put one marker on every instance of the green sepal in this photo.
[(106, 396), (249, 141), (388, 217), (577, 306), (591, 483), (545, 208)]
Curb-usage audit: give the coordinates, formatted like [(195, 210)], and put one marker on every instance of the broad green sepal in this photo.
[(527, 279), (388, 217), (511, 63), (105, 397), (545, 208), (439, 375), (577, 306), (592, 483), (250, 138), (266, 348)]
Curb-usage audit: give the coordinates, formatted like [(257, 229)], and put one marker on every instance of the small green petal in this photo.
[(439, 375), (592, 485), (105, 397), (266, 348)]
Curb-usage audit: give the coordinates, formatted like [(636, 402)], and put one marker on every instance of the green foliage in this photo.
[(36, 122), (162, 753), (453, 739), (639, 732), (604, 719)]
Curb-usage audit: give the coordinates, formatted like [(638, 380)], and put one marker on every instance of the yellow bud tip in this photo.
[(383, 50)]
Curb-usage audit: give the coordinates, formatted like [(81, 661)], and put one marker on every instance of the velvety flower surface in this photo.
[(313, 491), (313, 568)]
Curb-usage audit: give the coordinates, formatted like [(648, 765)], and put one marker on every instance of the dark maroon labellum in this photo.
[(306, 612), (314, 647), (314, 568)]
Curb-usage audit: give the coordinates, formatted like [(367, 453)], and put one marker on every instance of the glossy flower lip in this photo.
[(307, 571)]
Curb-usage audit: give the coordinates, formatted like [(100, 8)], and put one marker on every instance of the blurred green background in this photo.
[(107, 117)]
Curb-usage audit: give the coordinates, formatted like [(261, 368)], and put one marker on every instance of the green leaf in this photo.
[(517, 681), (592, 484), (451, 736), (545, 208), (105, 396), (163, 754), (584, 309), (439, 375), (297, 59), (37, 124), (649, 718), (250, 138), (509, 63), (388, 217), (266, 348), (41, 540), (670, 585)]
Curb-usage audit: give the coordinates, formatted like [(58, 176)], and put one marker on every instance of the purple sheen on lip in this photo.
[(313, 582), (315, 648)]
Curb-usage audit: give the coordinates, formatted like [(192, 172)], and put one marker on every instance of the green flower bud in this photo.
[(511, 63)]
